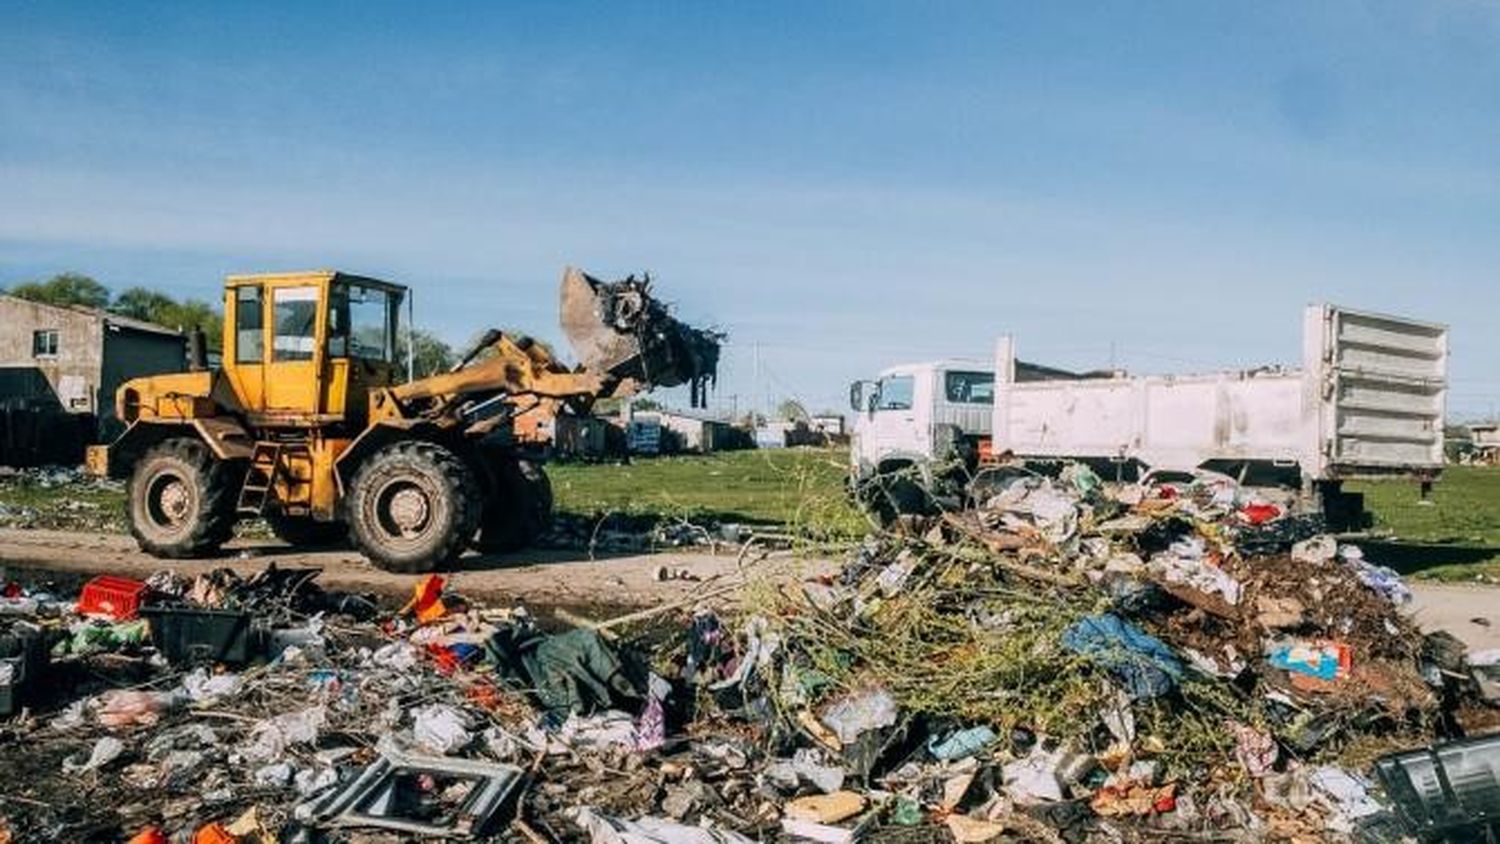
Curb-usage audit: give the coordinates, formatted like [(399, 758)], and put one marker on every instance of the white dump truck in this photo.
[(1368, 401)]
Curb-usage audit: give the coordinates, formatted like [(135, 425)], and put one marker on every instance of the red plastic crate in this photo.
[(117, 597)]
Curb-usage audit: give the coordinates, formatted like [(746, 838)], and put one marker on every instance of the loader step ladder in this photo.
[(267, 463)]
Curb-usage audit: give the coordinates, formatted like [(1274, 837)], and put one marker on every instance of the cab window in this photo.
[(249, 325), (296, 323), (969, 387), (895, 393), (362, 322)]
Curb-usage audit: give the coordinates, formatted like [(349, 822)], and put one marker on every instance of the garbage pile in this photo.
[(1066, 662), (1070, 659)]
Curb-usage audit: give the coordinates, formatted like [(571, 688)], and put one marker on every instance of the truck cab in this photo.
[(1368, 402), (919, 417)]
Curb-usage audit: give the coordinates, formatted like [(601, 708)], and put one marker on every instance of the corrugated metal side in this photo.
[(1386, 386), (973, 419)]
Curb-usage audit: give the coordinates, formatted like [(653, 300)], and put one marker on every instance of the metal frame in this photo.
[(353, 805)]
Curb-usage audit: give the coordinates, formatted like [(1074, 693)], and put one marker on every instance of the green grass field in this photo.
[(799, 488), (1464, 513)]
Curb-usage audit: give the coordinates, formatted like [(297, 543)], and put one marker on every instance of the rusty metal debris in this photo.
[(387, 794)]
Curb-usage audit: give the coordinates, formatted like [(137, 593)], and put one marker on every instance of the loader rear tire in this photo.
[(181, 501), (519, 508), (413, 506), (307, 532)]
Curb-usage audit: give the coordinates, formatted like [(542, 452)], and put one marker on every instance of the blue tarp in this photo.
[(1141, 662)]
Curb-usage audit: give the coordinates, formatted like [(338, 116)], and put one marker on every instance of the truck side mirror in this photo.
[(863, 396)]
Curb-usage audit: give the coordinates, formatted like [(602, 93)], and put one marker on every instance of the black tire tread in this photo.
[(218, 491), (460, 487)]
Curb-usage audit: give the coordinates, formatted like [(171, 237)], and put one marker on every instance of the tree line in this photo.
[(135, 302), (429, 353)]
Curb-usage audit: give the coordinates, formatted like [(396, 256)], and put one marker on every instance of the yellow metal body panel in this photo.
[(178, 396), (305, 481)]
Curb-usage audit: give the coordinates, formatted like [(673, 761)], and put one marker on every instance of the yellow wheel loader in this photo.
[(307, 424)]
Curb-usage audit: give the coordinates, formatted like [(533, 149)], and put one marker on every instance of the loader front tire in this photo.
[(413, 506), (181, 501)]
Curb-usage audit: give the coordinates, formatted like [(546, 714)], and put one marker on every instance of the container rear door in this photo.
[(1384, 391)]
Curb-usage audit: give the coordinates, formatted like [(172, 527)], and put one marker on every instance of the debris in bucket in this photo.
[(1068, 661)]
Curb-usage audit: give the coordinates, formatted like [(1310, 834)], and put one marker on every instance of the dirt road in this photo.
[(537, 578), (572, 580), (1469, 611)]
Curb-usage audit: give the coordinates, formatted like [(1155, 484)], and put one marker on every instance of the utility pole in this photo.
[(755, 402)]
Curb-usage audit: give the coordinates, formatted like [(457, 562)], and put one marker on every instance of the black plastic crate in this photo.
[(194, 635), (23, 650), (1448, 792)]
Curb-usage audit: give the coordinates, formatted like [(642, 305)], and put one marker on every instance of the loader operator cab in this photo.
[(306, 348)]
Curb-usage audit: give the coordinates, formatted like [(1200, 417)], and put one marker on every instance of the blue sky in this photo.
[(843, 185)]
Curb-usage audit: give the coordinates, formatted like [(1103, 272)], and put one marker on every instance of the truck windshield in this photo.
[(969, 387), (895, 393)]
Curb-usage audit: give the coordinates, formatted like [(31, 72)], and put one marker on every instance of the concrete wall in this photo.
[(95, 355), (73, 373)]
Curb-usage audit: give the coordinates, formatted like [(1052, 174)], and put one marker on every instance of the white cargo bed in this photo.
[(1368, 400)]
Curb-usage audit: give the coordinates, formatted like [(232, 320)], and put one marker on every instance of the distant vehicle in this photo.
[(1368, 401)]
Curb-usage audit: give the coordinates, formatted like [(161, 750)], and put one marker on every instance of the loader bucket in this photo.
[(619, 328)]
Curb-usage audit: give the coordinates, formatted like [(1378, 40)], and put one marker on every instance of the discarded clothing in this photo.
[(1142, 663), (568, 672)]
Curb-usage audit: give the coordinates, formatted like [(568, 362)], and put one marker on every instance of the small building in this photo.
[(566, 435), (64, 363), (1484, 440), (667, 432), (830, 425), (789, 434)]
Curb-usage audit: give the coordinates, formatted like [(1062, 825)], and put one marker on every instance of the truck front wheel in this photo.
[(413, 506), (890, 494), (181, 500)]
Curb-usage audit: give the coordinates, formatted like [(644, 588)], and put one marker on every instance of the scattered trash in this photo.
[(1071, 660), (852, 716), (826, 808), (1449, 791), (105, 751), (115, 598), (1323, 660), (961, 744), (440, 729)]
